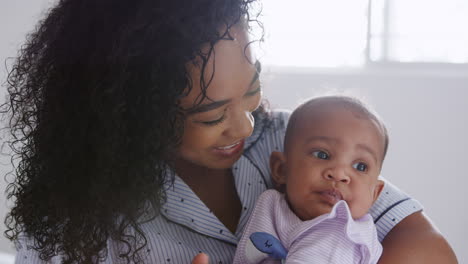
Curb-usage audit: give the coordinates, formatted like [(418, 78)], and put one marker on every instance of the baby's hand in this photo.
[(201, 258)]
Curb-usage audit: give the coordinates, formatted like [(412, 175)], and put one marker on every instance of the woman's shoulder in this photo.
[(277, 118), (268, 136), (269, 125), (392, 206)]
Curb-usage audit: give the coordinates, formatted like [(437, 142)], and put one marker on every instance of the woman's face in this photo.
[(215, 130)]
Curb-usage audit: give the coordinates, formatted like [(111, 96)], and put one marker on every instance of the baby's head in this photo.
[(333, 150)]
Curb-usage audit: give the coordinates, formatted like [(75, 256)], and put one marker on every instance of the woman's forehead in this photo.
[(228, 72)]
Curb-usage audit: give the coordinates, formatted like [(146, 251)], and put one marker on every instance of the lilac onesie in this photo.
[(274, 234)]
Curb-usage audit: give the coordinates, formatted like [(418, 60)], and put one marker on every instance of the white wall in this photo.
[(16, 19), (426, 114)]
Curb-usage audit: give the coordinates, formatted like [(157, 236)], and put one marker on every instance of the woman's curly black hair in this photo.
[(94, 118)]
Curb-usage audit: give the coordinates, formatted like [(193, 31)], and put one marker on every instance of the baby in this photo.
[(328, 177)]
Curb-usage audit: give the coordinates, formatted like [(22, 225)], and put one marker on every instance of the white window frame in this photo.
[(385, 63)]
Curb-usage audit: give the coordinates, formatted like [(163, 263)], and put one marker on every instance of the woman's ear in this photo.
[(278, 170), (378, 189)]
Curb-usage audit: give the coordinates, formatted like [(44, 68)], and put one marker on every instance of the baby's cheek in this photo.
[(360, 206)]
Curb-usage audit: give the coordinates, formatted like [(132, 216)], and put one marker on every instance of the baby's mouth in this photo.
[(332, 195)]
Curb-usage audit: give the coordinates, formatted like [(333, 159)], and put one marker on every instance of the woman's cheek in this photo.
[(206, 136), (257, 101)]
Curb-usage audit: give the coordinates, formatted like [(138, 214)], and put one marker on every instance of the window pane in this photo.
[(314, 33), (424, 31)]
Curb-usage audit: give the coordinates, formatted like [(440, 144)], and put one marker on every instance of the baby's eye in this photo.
[(321, 154), (360, 166)]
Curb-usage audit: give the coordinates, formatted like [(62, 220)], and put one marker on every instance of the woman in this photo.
[(134, 125)]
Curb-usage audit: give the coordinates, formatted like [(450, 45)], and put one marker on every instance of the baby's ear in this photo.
[(378, 189), (278, 170)]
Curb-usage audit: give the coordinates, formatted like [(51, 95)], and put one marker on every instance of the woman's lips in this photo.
[(331, 196), (230, 150)]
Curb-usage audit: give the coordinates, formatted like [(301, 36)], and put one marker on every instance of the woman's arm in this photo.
[(415, 240)]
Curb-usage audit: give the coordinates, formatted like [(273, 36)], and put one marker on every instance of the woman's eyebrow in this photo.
[(207, 107), (258, 69), (217, 104)]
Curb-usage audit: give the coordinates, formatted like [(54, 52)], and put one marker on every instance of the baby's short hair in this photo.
[(350, 103)]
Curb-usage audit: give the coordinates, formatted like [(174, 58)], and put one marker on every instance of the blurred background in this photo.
[(407, 59)]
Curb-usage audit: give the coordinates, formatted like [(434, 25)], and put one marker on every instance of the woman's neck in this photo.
[(216, 188), (195, 175)]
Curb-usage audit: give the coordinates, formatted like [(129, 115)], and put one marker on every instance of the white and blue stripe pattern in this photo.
[(391, 207), (174, 238)]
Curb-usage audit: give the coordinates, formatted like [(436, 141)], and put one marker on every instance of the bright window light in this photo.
[(313, 33), (428, 31), (334, 33)]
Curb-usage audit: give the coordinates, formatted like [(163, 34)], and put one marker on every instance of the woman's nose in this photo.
[(337, 174), (242, 125)]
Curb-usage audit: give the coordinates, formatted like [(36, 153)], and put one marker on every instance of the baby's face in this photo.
[(334, 154)]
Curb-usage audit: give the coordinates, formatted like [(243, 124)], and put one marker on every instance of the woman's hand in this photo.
[(416, 240), (201, 258)]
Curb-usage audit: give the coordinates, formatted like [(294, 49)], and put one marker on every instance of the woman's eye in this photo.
[(321, 154), (214, 122), (254, 98), (360, 166), (254, 92)]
